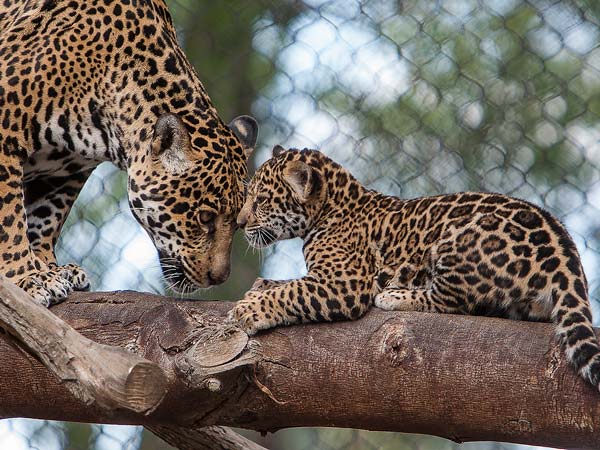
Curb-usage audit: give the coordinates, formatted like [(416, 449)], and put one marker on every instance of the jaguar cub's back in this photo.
[(466, 253)]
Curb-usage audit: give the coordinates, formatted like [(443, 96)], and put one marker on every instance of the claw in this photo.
[(52, 286)]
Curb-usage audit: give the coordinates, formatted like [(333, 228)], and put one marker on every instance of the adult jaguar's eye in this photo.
[(206, 219)]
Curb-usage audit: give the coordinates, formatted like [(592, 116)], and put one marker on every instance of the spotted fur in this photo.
[(466, 253), (105, 80)]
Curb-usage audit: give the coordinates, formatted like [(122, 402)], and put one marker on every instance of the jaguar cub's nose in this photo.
[(244, 214), (241, 221)]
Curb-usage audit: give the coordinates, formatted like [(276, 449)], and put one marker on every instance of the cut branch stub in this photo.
[(217, 351), (128, 381), (145, 387), (94, 373)]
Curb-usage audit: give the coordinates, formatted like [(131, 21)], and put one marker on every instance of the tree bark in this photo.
[(463, 378)]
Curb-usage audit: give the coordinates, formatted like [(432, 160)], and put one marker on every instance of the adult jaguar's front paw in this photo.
[(251, 315), (54, 284), (76, 275)]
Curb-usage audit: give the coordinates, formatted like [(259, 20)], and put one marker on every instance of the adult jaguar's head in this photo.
[(186, 167), (287, 195), (187, 197)]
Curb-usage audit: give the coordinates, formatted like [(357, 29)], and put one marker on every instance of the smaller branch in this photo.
[(207, 438), (93, 373)]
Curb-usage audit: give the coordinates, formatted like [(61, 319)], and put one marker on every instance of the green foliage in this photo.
[(218, 39), (482, 80), (79, 435)]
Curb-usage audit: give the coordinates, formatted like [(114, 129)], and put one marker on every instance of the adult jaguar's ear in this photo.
[(245, 129), (303, 179), (171, 143)]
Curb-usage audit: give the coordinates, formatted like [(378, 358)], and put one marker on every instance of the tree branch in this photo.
[(94, 373), (209, 438), (463, 378)]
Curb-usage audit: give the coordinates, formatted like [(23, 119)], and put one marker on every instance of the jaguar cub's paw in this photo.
[(54, 284), (251, 315), (401, 300), (387, 301)]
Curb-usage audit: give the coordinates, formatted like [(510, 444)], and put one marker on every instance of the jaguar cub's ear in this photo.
[(303, 179), (278, 150), (245, 129), (171, 143)]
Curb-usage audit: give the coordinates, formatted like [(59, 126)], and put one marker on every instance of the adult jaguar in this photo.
[(105, 80), (465, 253)]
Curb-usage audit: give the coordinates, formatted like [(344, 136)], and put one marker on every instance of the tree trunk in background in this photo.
[(464, 378)]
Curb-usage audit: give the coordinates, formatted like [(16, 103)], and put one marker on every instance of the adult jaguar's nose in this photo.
[(218, 275)]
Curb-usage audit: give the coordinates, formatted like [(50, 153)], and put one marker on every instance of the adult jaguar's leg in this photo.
[(20, 264), (48, 202)]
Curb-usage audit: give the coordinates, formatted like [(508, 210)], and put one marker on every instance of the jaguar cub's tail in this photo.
[(573, 318)]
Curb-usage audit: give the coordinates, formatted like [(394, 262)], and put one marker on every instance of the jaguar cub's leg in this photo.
[(304, 300), (259, 310), (48, 202), (422, 300), (416, 287)]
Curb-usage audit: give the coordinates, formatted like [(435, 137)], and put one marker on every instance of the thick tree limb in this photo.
[(107, 376), (464, 378), (94, 373)]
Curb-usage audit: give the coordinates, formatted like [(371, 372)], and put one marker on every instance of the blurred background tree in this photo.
[(416, 97)]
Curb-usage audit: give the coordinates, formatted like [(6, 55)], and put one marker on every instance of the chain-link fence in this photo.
[(416, 97)]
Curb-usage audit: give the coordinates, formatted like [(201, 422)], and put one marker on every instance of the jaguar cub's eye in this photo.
[(262, 199)]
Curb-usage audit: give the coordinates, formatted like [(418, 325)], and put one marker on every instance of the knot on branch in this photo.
[(213, 384)]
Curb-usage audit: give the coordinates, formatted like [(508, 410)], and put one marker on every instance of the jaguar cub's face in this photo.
[(187, 199), (283, 198)]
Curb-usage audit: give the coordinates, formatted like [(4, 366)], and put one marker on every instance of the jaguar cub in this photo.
[(466, 253)]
